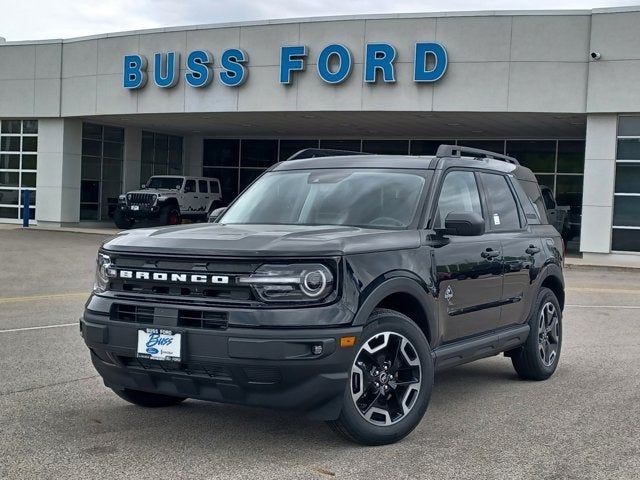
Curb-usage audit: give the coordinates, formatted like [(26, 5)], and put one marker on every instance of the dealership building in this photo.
[(83, 120)]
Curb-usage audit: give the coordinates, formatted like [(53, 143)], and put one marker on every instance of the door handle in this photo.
[(195, 196), (532, 250), (489, 253)]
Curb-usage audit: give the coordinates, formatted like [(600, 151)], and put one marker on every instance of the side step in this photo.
[(487, 345)]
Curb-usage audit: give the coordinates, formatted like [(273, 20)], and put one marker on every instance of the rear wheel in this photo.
[(390, 381), (121, 220), (170, 215), (538, 358), (146, 399)]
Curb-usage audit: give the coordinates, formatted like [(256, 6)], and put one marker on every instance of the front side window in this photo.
[(503, 209), (363, 198), (459, 194), (190, 186)]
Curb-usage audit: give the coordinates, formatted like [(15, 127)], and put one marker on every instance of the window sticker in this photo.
[(496, 219)]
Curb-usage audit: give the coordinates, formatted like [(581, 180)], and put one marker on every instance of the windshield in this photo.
[(362, 198), (165, 183)]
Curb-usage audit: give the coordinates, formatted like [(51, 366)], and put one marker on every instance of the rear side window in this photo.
[(202, 186), (549, 202), (530, 209), (503, 209), (532, 189), (214, 187), (459, 194)]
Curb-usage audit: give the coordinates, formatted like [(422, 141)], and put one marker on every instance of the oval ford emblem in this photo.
[(152, 351)]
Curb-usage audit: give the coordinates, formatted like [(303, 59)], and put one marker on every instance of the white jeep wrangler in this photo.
[(169, 198)]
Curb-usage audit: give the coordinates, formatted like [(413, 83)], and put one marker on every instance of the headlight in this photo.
[(104, 270), (297, 282)]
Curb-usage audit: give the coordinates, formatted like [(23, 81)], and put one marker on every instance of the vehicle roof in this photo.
[(183, 176), (405, 162)]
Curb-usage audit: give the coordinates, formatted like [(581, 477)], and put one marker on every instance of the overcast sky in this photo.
[(38, 19)]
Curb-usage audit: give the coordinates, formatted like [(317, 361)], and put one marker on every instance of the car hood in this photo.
[(262, 240), (153, 190)]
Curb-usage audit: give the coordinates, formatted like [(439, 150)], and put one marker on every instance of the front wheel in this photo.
[(538, 358), (170, 215), (149, 400), (390, 381), (121, 220)]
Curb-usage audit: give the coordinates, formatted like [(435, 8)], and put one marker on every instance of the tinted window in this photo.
[(202, 186), (165, 183), (530, 208), (549, 202), (503, 209), (214, 187), (190, 186), (459, 193)]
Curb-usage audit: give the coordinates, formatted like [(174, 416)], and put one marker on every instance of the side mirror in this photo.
[(143, 186), (216, 214), (468, 224)]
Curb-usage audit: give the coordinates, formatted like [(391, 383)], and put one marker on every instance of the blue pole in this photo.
[(26, 199)]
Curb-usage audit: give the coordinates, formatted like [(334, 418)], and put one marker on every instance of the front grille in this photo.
[(215, 293), (202, 319), (132, 313), (215, 371), (147, 199)]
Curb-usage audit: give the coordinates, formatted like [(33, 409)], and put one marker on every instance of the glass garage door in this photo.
[(18, 164)]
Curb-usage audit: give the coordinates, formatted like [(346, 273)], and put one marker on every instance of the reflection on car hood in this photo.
[(262, 240)]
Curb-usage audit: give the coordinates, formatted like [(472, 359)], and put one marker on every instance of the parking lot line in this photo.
[(51, 296), (42, 327)]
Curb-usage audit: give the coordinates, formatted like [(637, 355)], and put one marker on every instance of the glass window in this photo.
[(547, 181), (89, 191), (10, 161), (628, 178), (92, 147), (247, 176), (629, 125), (496, 146), (190, 186), (29, 180), (258, 153), (538, 155), (202, 186), (625, 211), (146, 171), (351, 145), (113, 150), (30, 126), (625, 240), (29, 162), (549, 201), (629, 149), (214, 187), (8, 212), (428, 147), (10, 126), (9, 179), (228, 179), (111, 170), (571, 156), (10, 144), (528, 205), (160, 169), (165, 183), (569, 190), (386, 147), (113, 134), (289, 147), (92, 131), (88, 211), (459, 193), (503, 209), (10, 197), (365, 198), (91, 168), (220, 152)]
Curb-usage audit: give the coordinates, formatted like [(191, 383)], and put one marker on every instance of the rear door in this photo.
[(189, 199), (521, 248), (204, 197), (469, 269)]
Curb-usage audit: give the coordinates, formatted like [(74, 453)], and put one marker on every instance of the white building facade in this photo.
[(82, 120)]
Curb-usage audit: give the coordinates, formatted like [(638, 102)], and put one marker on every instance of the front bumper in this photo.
[(144, 211), (274, 368)]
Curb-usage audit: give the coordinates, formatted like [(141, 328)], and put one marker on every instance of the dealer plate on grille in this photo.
[(135, 207), (158, 344)]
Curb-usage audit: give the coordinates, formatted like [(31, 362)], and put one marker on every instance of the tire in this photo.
[(538, 358), (148, 400), (362, 419), (121, 220), (170, 215)]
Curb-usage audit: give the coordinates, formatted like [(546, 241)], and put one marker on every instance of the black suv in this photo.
[(336, 286)]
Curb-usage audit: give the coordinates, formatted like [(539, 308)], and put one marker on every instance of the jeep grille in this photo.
[(141, 199)]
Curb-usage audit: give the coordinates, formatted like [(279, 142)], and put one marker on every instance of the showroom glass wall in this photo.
[(161, 155), (556, 163), (18, 164), (626, 202), (101, 173)]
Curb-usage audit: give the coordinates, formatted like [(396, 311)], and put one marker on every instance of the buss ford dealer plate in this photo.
[(156, 344)]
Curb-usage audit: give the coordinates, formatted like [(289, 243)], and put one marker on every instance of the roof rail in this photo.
[(322, 152), (458, 150)]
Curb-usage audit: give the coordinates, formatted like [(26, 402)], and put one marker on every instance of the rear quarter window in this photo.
[(532, 190), (530, 210)]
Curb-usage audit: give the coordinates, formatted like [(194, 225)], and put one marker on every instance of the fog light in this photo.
[(316, 349)]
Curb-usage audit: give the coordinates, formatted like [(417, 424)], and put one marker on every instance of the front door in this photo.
[(469, 269)]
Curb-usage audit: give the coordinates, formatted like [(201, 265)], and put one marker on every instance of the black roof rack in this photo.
[(458, 150), (322, 152)]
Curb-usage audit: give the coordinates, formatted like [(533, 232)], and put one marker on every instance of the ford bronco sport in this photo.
[(169, 198), (336, 286)]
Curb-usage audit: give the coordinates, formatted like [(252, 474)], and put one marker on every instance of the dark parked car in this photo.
[(336, 286)]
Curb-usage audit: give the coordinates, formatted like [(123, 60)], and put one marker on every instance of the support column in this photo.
[(599, 178), (192, 156), (132, 159), (58, 173)]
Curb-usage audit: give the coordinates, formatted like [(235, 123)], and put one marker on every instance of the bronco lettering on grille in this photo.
[(173, 277)]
